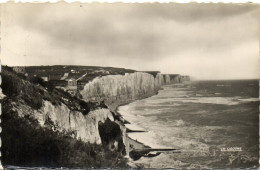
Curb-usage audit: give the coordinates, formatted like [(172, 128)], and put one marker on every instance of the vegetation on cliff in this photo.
[(26, 143), (33, 90), (84, 73)]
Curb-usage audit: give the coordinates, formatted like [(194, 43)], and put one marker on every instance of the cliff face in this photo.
[(119, 89), (175, 78), (184, 79), (84, 127)]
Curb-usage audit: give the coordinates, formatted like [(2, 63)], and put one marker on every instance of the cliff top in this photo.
[(33, 91), (154, 73), (61, 72), (66, 72)]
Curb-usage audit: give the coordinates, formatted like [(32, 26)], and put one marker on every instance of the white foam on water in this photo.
[(180, 122), (179, 95), (198, 99), (223, 85), (161, 162), (250, 100), (209, 100), (172, 133)]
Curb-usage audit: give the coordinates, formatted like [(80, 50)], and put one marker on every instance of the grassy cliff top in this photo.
[(56, 72), (33, 91)]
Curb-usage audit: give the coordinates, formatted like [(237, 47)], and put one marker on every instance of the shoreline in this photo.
[(132, 143), (137, 148), (114, 109)]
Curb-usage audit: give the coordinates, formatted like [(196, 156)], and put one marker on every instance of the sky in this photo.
[(205, 41)]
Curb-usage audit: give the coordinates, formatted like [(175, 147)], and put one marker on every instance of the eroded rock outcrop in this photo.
[(175, 78), (61, 118)]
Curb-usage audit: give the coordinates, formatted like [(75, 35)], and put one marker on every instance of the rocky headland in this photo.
[(74, 108)]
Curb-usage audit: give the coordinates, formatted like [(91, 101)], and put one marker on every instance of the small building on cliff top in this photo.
[(19, 69), (72, 84)]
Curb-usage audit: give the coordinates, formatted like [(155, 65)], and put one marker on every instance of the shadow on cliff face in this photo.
[(111, 136)]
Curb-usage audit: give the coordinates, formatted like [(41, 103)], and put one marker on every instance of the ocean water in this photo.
[(214, 124)]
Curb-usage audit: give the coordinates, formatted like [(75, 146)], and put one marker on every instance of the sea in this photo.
[(213, 124)]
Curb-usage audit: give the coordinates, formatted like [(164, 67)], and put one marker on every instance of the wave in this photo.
[(209, 100), (223, 85), (250, 100), (165, 122)]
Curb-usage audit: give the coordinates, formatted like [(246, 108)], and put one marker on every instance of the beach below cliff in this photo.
[(132, 128)]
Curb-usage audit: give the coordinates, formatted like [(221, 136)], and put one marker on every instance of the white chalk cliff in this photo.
[(118, 89), (84, 127)]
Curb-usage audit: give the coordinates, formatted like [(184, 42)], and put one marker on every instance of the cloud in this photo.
[(137, 36)]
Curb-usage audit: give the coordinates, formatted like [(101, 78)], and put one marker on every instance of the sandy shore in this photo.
[(136, 144), (133, 144)]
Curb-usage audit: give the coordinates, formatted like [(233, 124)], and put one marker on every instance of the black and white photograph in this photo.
[(129, 85)]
